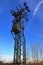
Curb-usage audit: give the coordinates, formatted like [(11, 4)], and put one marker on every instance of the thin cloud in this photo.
[(6, 58), (40, 36), (37, 8), (35, 11), (1, 11)]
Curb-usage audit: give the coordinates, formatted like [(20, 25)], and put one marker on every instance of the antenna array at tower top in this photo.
[(21, 13)]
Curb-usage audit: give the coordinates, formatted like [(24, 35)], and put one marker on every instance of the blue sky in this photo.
[(33, 28)]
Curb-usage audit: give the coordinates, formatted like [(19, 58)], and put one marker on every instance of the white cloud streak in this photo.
[(37, 8), (35, 11)]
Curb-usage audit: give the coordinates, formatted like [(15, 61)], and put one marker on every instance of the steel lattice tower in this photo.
[(18, 34)]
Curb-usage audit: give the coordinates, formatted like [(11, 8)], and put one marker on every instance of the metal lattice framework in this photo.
[(18, 35)]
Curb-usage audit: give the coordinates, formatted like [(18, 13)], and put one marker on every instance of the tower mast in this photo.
[(18, 34)]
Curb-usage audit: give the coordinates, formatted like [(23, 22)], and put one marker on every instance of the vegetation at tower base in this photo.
[(2, 63), (18, 33)]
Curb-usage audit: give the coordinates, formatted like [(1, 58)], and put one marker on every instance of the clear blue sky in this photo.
[(33, 29)]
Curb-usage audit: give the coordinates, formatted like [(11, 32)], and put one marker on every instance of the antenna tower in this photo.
[(20, 16)]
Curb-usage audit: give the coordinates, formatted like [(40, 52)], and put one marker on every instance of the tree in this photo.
[(35, 52), (41, 53), (27, 56)]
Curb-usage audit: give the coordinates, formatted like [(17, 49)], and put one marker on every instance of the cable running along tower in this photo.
[(20, 16)]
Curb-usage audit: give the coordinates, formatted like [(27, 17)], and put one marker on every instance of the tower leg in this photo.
[(19, 50)]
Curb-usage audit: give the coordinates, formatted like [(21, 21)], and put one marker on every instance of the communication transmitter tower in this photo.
[(17, 31)]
